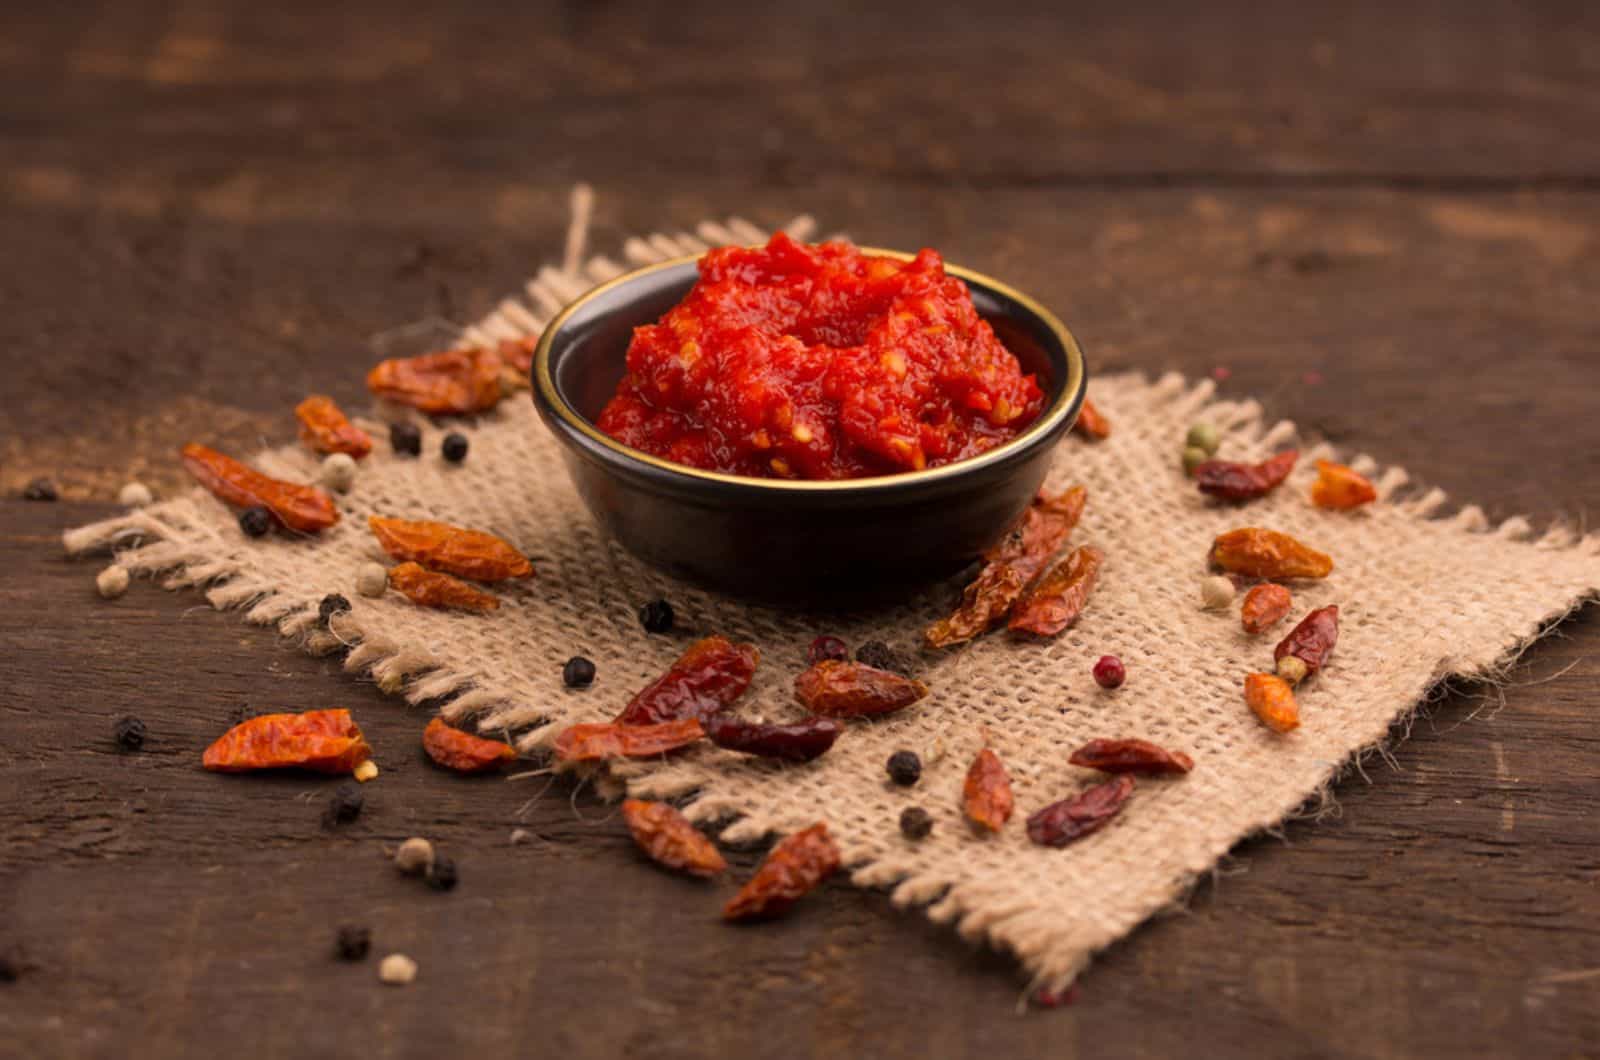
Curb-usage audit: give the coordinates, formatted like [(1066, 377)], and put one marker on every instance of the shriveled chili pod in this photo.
[(431, 589), (1272, 700), (463, 752), (670, 840), (708, 677), (1264, 607), (1055, 601), (596, 741), (1063, 822), (303, 508), (799, 741), (474, 554), (451, 382), (1312, 641), (1341, 488), (1039, 534), (325, 428), (984, 604), (793, 869), (1230, 481), (324, 741), (852, 689), (1130, 756), (1260, 553), (1092, 423), (986, 793)]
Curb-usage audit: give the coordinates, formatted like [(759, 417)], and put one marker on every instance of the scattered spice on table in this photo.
[(40, 489), (428, 588), (880, 656), (1264, 607), (670, 840), (414, 857), (904, 768), (474, 554), (450, 382), (916, 823), (1054, 602), (848, 690), (352, 942), (1071, 819), (442, 874), (708, 677), (129, 732), (330, 605), (826, 647), (800, 741), (1272, 700), (372, 580), (578, 672), (135, 495), (255, 521), (1130, 756), (1341, 488), (337, 472), (462, 752), (302, 508), (986, 793), (793, 869), (344, 806), (325, 741), (1110, 673), (454, 447), (1204, 437), (1261, 553), (1313, 640), (656, 617), (1217, 592), (326, 429), (594, 742), (405, 439), (1230, 481), (1092, 423), (397, 970), (112, 582)]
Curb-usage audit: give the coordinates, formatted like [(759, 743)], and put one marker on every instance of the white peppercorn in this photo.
[(338, 472), (112, 582), (414, 857), (135, 495), (397, 969), (372, 579), (1216, 593)]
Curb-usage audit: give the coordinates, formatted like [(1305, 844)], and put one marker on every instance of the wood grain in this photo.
[(221, 206)]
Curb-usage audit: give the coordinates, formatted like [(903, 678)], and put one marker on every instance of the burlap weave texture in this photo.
[(1422, 597)]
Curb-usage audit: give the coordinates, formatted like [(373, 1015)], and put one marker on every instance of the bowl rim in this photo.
[(1067, 402)]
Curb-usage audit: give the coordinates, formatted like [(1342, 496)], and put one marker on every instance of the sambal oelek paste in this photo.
[(820, 362)]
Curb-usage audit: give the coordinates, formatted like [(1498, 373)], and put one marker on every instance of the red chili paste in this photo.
[(820, 362)]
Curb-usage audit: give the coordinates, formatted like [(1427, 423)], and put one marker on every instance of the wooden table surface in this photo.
[(208, 209)]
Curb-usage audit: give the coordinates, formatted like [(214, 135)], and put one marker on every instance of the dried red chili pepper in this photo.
[(986, 793), (451, 382), (1341, 488), (670, 840), (1313, 639), (462, 751), (593, 741), (442, 547), (1264, 607), (1272, 700), (984, 605), (326, 741), (799, 741), (852, 689), (303, 508), (432, 589), (1268, 554), (1130, 756), (705, 679), (1242, 482), (1040, 533), (517, 354), (792, 870), (325, 428), (1055, 601), (1092, 423), (1062, 822)]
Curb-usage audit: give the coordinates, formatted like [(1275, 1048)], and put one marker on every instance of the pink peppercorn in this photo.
[(824, 648), (1109, 672)]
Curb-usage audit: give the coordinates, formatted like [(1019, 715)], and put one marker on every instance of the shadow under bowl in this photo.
[(780, 541)]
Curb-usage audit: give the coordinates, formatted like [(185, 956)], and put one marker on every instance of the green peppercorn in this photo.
[(1203, 436), (1193, 457)]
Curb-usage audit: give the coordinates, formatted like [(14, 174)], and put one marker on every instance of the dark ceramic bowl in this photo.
[(778, 540)]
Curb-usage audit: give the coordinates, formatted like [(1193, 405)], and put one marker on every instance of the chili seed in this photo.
[(332, 604), (879, 656), (414, 857), (255, 522), (344, 806), (1204, 437), (40, 489), (135, 495), (397, 970), (1109, 672), (454, 447), (578, 673), (129, 732), (656, 617), (915, 822), (405, 439), (905, 768), (442, 874), (352, 942), (825, 648)]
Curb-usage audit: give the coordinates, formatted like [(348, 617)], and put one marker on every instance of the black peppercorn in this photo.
[(40, 489), (879, 656), (442, 875), (332, 604), (656, 617), (255, 522), (454, 447), (129, 732), (905, 768), (353, 942), (578, 673), (915, 822), (11, 966), (344, 806), (405, 439)]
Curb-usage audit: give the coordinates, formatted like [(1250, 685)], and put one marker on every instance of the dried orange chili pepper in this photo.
[(432, 589), (705, 679), (325, 428), (984, 605), (592, 742), (303, 508), (517, 354), (451, 382), (1232, 481), (1341, 488), (1272, 700), (852, 689), (462, 751), (1264, 607), (1092, 423), (792, 870), (440, 546), (670, 840), (986, 793), (1055, 601), (1268, 554), (326, 741), (1130, 756)]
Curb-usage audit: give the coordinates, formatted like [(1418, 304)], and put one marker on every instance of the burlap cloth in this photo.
[(1422, 597)]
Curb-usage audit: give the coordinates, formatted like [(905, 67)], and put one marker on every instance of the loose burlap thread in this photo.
[(1422, 596)]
